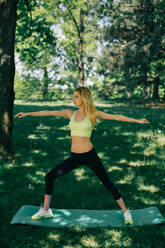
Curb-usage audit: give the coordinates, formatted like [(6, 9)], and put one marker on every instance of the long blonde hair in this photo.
[(88, 103)]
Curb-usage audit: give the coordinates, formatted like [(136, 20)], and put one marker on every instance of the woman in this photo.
[(82, 151)]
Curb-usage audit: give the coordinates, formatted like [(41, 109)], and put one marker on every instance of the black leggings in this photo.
[(90, 159)]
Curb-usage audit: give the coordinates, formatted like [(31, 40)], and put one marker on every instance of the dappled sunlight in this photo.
[(128, 133), (28, 164), (112, 168), (151, 188), (106, 104), (114, 233), (162, 202), (40, 173), (35, 151), (53, 104), (64, 128), (65, 154), (39, 155), (127, 242), (151, 163), (150, 149), (42, 136), (127, 178), (152, 141), (80, 174), (135, 163), (87, 241), (43, 127), (116, 238), (147, 134), (104, 156), (63, 138), (38, 177), (44, 154), (136, 153), (33, 136), (147, 200), (101, 154), (54, 237), (123, 161), (9, 165), (161, 141), (119, 128)]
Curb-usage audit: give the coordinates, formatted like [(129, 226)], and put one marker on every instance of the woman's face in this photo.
[(77, 99)]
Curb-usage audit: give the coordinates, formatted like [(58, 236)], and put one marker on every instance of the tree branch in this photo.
[(73, 18)]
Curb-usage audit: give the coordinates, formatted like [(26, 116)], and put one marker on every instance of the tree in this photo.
[(38, 54), (36, 42), (7, 72), (134, 43), (72, 55), (78, 45)]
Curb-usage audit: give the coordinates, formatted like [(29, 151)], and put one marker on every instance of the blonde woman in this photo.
[(82, 150)]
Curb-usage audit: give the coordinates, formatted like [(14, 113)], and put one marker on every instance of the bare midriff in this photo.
[(81, 144)]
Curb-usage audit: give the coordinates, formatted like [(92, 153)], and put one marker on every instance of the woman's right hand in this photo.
[(20, 115)]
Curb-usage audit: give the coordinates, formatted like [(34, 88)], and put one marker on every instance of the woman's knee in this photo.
[(53, 174), (49, 177)]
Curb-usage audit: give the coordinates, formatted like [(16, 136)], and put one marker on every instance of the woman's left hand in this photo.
[(143, 121)]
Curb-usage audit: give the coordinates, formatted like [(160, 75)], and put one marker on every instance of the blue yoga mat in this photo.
[(87, 218)]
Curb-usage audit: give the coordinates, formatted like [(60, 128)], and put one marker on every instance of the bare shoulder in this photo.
[(62, 113), (69, 113), (98, 114)]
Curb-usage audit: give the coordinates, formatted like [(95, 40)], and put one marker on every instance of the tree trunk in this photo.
[(80, 31), (45, 85), (7, 72), (155, 95), (164, 95), (80, 48)]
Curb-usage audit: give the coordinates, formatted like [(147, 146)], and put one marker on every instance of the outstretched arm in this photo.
[(102, 115), (62, 113)]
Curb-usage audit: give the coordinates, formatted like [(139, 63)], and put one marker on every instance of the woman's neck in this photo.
[(82, 110)]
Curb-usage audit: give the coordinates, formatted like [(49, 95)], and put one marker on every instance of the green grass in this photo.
[(132, 154)]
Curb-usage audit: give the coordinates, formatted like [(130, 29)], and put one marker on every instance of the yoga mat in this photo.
[(87, 218)]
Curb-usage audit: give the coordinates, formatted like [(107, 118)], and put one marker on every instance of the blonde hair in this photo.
[(88, 102)]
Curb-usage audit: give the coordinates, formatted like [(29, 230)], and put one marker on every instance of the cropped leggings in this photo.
[(90, 159)]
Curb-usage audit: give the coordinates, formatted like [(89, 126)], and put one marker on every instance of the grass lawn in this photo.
[(133, 155)]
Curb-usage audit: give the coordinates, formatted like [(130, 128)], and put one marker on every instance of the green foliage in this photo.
[(24, 88), (36, 44), (34, 38), (69, 14), (122, 46), (134, 43), (31, 89), (43, 48)]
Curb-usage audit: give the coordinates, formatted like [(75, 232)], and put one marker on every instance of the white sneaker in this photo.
[(128, 218), (42, 214)]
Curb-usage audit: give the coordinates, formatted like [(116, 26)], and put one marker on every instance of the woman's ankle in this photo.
[(46, 208)]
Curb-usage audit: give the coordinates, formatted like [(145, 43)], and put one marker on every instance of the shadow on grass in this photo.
[(132, 155)]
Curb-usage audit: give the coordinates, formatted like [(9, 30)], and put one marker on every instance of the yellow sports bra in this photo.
[(81, 128)]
